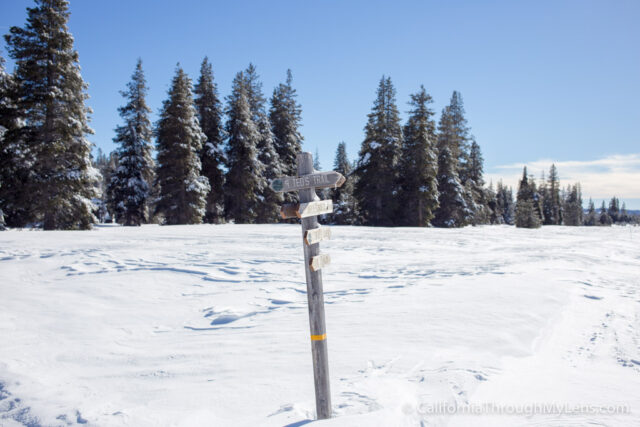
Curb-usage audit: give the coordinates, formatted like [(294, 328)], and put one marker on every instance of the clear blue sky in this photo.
[(542, 81)]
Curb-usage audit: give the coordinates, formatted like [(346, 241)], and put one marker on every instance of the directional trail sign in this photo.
[(319, 261), (314, 180), (303, 210), (307, 210), (317, 235)]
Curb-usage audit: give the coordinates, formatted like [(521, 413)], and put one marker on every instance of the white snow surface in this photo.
[(208, 325)]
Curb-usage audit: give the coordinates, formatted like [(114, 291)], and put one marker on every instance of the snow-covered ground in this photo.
[(207, 325)]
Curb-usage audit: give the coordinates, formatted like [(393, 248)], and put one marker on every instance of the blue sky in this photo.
[(542, 81)]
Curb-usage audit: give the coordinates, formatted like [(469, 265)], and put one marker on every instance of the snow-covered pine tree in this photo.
[(418, 193), (377, 171), (500, 203), (458, 135), (268, 208), (543, 190), (253, 89), (462, 146), (614, 209), (15, 158), (591, 219), (573, 206), (604, 218), (624, 215), (480, 195), (243, 180), (504, 203), (495, 217), (551, 201), (209, 111), (179, 139), (453, 210), (130, 185), (269, 163), (345, 210), (106, 165), (285, 115), (527, 214), (52, 94)]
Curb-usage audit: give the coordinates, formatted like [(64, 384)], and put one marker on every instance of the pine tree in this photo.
[(377, 171), (457, 134), (130, 185), (209, 111), (15, 158), (573, 206), (614, 209), (551, 201), (269, 168), (591, 218), (479, 195), (269, 164), (624, 215), (52, 94), (543, 190), (285, 115), (469, 161), (604, 218), (242, 183), (107, 166), (418, 196), (454, 210), (253, 89), (183, 190), (495, 216), (345, 208), (527, 214), (504, 204)]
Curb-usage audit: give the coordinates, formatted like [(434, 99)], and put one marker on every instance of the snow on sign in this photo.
[(308, 210), (317, 235), (317, 262), (304, 210), (315, 180)]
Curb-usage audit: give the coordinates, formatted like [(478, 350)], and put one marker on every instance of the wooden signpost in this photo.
[(312, 234)]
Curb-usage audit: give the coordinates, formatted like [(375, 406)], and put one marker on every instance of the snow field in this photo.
[(208, 325)]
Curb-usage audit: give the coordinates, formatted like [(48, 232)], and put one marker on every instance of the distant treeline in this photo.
[(547, 204), (214, 160)]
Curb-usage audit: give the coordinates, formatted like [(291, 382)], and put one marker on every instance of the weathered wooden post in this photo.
[(312, 234)]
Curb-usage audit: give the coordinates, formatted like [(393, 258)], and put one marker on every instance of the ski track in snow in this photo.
[(207, 325)]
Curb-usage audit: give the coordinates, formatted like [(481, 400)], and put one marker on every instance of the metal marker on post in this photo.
[(312, 234), (315, 297)]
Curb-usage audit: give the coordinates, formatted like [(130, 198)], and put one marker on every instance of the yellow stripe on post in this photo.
[(318, 337)]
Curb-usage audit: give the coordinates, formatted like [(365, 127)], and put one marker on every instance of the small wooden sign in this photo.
[(303, 210), (315, 180), (319, 261), (317, 235)]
